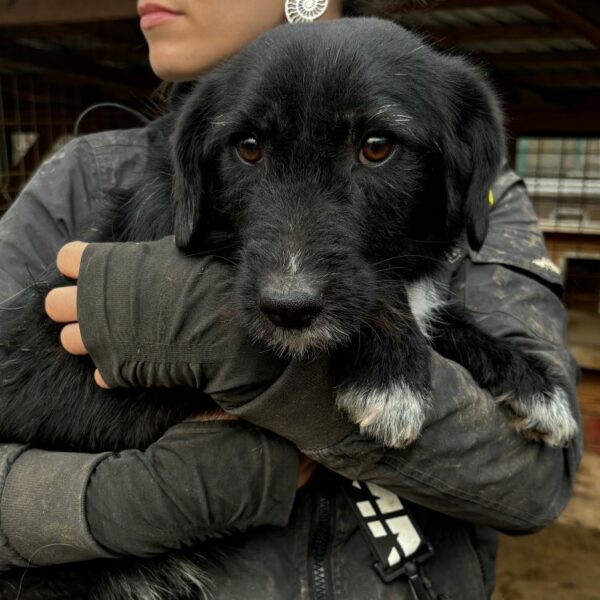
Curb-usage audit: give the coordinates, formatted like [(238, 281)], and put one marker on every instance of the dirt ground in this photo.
[(563, 561)]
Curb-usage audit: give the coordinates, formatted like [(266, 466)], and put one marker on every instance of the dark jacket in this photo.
[(468, 474)]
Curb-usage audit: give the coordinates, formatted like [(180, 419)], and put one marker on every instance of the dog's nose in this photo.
[(292, 310)]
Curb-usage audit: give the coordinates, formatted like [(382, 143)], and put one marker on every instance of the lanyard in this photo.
[(393, 536)]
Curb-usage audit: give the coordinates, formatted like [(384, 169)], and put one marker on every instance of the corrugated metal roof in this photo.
[(498, 32)]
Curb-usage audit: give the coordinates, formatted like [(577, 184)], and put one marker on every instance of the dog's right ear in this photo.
[(192, 174)]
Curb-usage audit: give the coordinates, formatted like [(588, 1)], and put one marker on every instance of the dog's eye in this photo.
[(375, 150), (249, 150)]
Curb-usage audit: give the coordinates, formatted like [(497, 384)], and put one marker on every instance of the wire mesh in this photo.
[(563, 179), (49, 75), (34, 121)]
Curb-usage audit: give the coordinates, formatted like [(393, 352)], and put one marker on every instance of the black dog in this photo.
[(340, 163)]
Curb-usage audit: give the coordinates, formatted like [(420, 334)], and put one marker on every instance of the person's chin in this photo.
[(168, 67), (169, 74)]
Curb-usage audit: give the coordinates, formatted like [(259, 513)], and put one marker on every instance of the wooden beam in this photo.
[(75, 70), (541, 59), (558, 12), (577, 119), (130, 53), (580, 15), (36, 12), (558, 79), (465, 4), (117, 41), (497, 33), (125, 31), (587, 9), (571, 17), (560, 124)]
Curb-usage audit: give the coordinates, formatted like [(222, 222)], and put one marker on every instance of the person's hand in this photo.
[(61, 307), (151, 316), (307, 469), (61, 303)]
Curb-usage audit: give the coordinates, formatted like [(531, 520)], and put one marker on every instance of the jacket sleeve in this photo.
[(60, 507), (200, 480), (32, 230), (469, 462)]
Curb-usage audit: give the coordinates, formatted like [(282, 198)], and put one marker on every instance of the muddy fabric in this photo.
[(8, 555), (51, 523), (468, 473), (198, 479)]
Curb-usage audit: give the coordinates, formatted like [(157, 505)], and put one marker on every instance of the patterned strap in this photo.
[(393, 536)]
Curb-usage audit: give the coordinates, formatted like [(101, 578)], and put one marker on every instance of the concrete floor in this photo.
[(563, 561)]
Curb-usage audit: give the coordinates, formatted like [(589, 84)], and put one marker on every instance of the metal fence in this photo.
[(563, 179)]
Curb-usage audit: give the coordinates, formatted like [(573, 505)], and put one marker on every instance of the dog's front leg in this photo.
[(384, 378), (524, 383)]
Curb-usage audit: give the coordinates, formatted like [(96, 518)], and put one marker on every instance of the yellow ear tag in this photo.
[(491, 197)]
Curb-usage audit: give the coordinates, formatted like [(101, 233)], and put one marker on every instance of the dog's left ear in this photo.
[(192, 171), (475, 152)]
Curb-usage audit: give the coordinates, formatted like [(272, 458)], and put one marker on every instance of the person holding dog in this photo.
[(467, 475)]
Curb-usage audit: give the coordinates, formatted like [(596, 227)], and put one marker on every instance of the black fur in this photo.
[(308, 219)]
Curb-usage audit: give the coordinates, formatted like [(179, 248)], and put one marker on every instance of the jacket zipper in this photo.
[(320, 546)]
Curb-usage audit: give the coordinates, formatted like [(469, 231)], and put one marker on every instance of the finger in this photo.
[(61, 304), (68, 259), (307, 468), (100, 380), (70, 338), (304, 476)]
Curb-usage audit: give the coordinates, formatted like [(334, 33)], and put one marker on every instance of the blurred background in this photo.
[(61, 58)]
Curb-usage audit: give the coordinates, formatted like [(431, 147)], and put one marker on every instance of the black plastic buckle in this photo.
[(406, 569), (418, 584)]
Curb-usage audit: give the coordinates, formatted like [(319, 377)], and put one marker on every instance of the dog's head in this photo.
[(345, 157)]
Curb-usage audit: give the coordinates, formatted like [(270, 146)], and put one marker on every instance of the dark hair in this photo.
[(387, 9)]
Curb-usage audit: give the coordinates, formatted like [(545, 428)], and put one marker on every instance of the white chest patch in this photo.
[(424, 297)]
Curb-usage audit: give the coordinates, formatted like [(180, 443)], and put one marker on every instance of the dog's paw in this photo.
[(394, 416), (545, 417)]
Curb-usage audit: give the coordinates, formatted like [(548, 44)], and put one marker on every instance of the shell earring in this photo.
[(304, 11)]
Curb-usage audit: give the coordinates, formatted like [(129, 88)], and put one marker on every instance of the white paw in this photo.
[(546, 418), (393, 416)]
